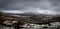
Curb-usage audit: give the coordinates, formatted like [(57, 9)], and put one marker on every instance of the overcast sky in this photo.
[(40, 6)]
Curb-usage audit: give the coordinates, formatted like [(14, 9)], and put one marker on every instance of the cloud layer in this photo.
[(40, 6)]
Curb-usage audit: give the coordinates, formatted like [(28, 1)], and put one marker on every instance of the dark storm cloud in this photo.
[(41, 6), (18, 4)]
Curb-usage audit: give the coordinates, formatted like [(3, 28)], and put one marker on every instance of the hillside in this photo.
[(12, 20)]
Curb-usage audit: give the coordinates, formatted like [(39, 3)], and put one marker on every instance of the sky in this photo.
[(40, 6)]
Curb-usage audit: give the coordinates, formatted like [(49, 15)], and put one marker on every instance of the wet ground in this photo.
[(30, 28), (54, 25)]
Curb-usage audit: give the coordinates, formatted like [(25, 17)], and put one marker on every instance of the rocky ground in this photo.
[(23, 20)]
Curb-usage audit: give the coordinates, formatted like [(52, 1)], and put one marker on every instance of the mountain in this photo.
[(28, 14)]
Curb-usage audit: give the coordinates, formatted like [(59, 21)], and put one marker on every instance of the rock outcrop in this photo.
[(9, 20)]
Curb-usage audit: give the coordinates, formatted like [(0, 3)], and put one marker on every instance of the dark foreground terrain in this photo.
[(30, 21)]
